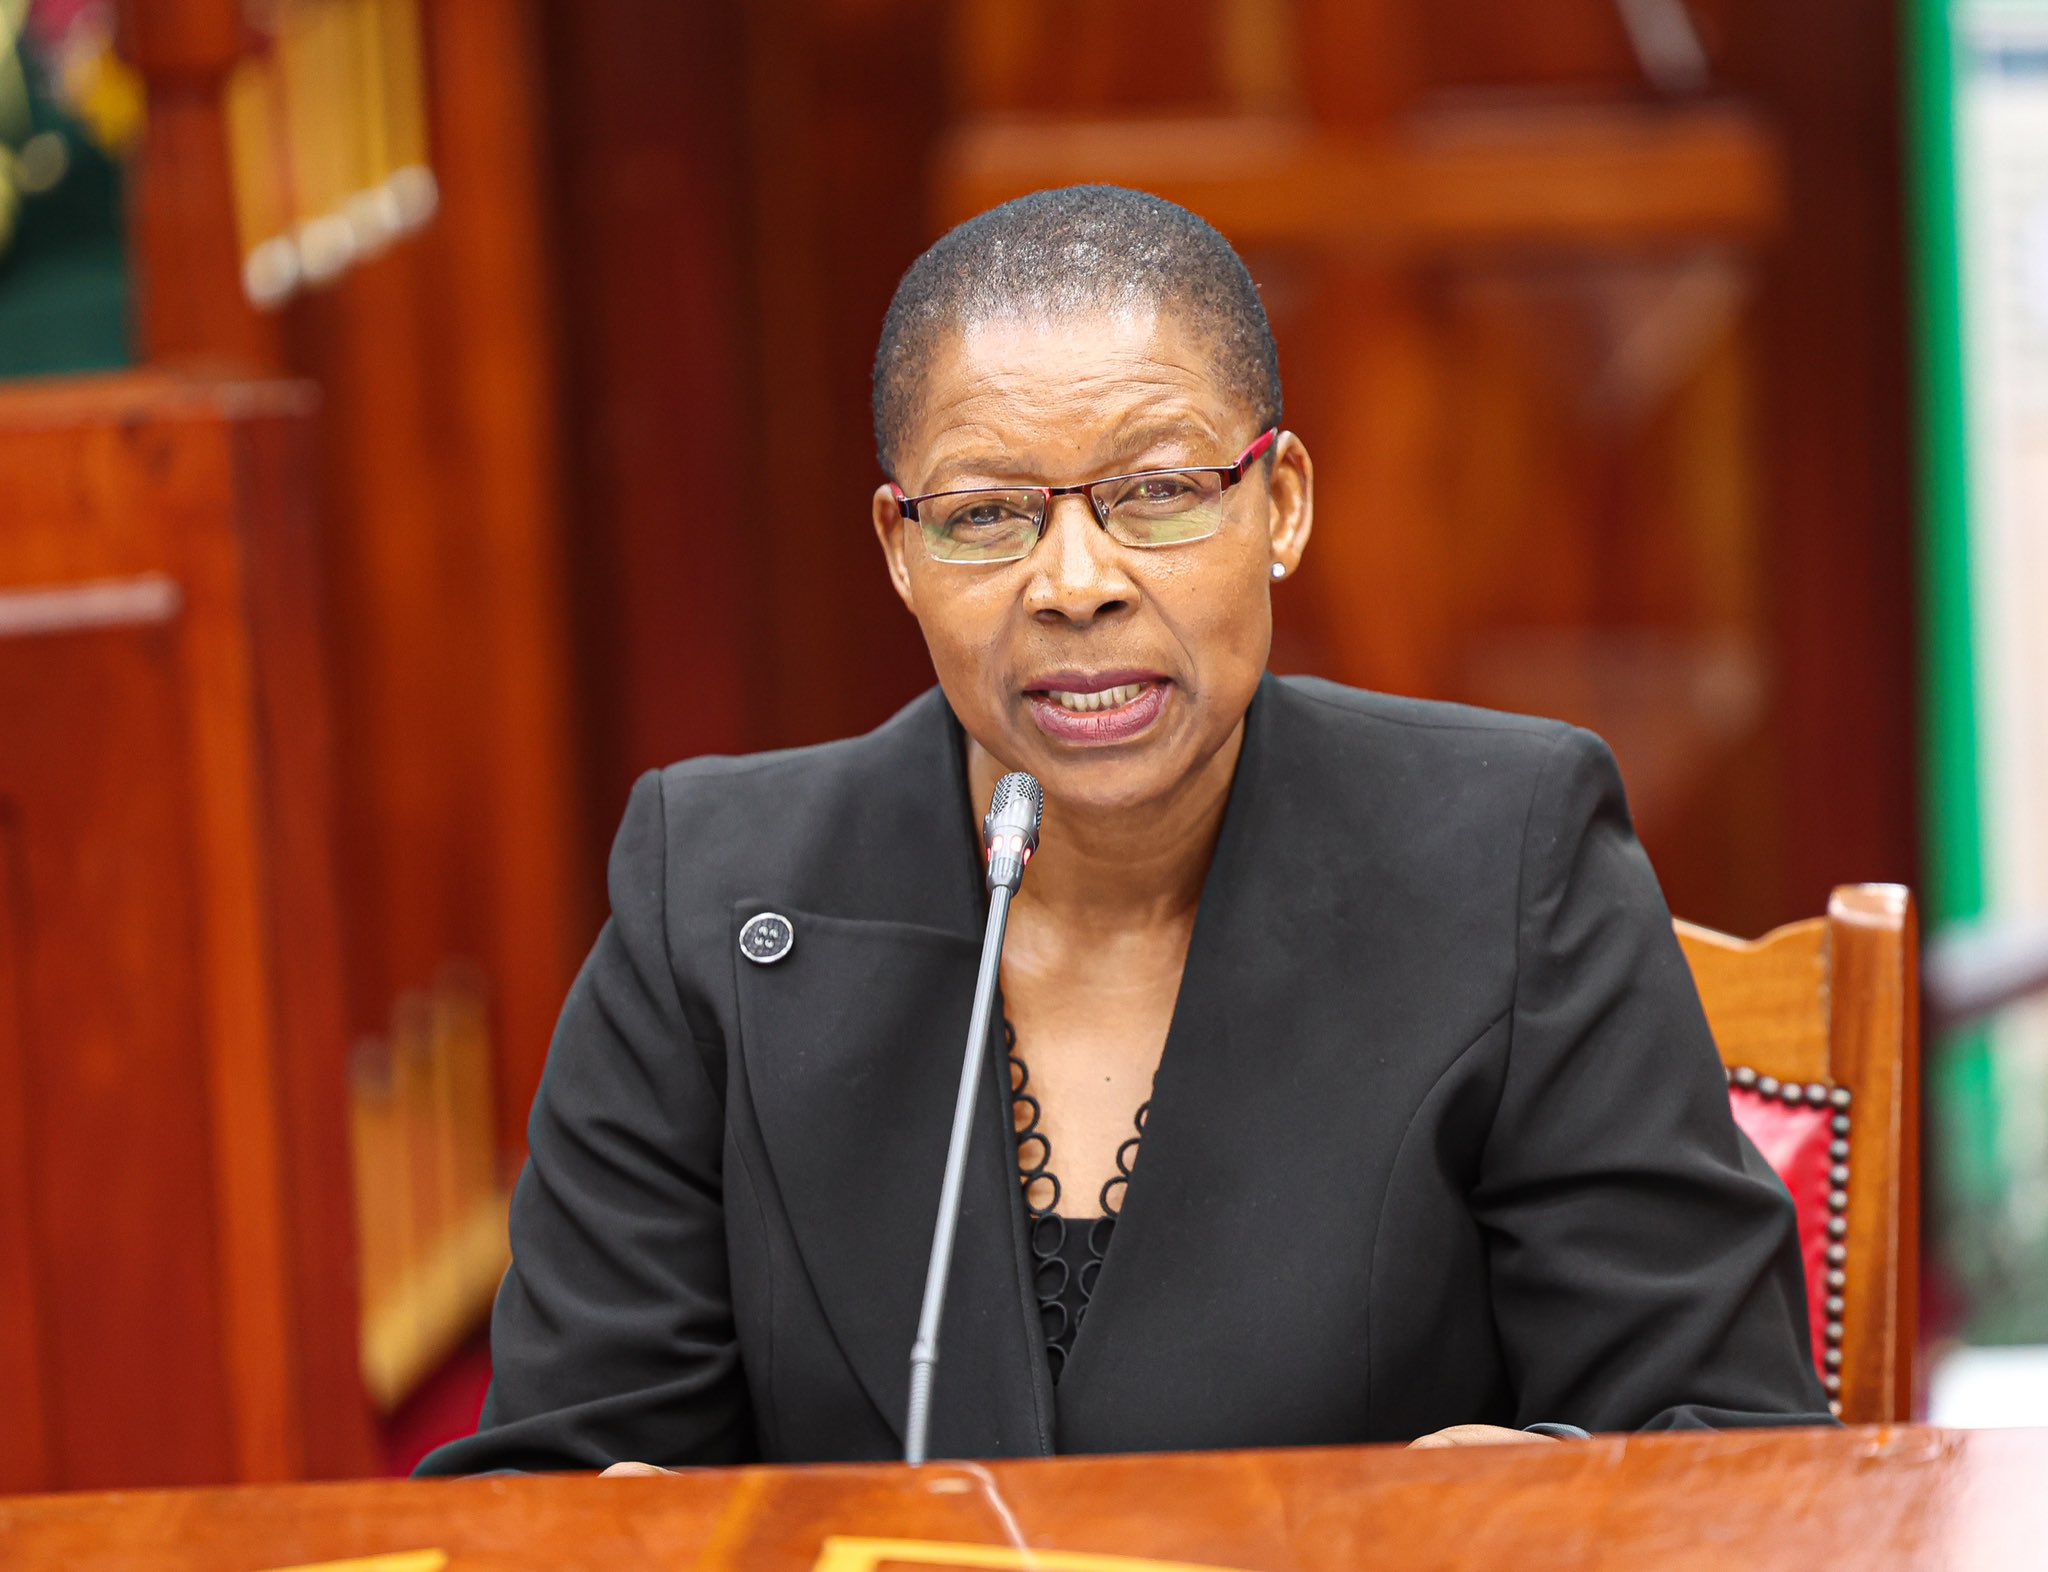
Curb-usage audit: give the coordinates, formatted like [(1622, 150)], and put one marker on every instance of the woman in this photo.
[(1358, 1090)]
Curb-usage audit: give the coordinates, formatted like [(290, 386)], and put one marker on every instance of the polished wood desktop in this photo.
[(1874, 1498)]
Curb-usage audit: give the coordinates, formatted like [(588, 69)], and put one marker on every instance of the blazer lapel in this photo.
[(1229, 1162), (851, 1050)]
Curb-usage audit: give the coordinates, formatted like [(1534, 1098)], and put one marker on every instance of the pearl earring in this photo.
[(1279, 570)]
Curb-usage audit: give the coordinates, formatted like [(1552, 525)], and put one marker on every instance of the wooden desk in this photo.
[(1875, 1499)]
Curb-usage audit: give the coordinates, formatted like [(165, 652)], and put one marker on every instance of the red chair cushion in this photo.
[(1794, 1138), (446, 1406)]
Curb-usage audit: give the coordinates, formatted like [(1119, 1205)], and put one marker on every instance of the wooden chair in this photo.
[(1818, 1023)]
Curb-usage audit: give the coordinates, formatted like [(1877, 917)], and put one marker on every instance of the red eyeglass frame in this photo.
[(1233, 473)]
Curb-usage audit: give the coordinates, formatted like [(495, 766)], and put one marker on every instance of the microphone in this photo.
[(1009, 835)]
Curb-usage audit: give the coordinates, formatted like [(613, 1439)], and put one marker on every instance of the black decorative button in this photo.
[(767, 938)]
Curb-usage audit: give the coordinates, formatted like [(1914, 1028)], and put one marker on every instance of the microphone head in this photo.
[(1009, 835), (1019, 804)]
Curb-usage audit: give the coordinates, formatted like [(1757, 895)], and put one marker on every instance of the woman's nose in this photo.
[(1079, 572)]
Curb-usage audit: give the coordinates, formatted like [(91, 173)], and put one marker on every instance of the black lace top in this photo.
[(1066, 1251)]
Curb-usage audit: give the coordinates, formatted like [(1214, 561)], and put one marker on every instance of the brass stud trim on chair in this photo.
[(1816, 1094)]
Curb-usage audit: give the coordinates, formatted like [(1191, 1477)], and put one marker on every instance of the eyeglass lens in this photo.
[(1162, 508)]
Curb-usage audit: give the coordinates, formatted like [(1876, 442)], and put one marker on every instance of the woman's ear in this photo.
[(892, 530), (1292, 485)]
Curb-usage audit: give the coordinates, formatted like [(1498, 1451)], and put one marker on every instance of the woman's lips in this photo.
[(1111, 713)]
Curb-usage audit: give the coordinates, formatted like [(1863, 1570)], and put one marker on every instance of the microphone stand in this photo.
[(924, 1353), (1008, 834)]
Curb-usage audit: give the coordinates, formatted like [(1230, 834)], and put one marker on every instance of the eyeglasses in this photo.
[(1155, 507)]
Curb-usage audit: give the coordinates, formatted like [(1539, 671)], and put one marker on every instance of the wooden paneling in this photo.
[(1534, 177), (445, 554), (493, 279), (298, 882), (1606, 392), (438, 482), (172, 1043), (1832, 434), (114, 1181), (741, 196), (454, 776), (1605, 386), (738, 194), (1574, 446), (25, 1439), (655, 303)]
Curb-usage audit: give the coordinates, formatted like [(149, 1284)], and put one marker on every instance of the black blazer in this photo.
[(1439, 1134)]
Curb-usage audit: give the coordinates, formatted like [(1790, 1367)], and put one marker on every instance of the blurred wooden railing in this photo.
[(430, 1204)]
